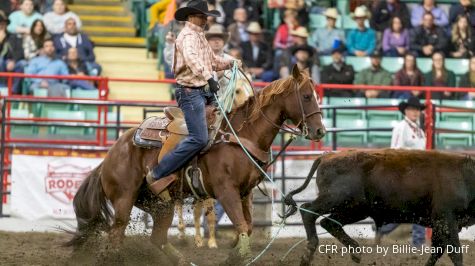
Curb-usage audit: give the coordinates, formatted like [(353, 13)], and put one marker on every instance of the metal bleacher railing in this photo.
[(99, 131)]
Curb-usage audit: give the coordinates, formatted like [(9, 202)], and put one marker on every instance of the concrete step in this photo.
[(98, 2), (116, 11), (98, 20), (118, 41), (109, 31)]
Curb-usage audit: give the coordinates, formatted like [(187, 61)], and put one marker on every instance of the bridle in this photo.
[(303, 121)]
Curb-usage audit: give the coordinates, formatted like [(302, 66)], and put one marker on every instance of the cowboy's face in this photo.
[(27, 7), (216, 43), (331, 22), (198, 19), (413, 113), (254, 37), (360, 21)]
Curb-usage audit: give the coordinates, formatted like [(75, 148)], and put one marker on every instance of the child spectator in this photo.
[(385, 11), (374, 75), (439, 76), (338, 72), (428, 6), (55, 20), (428, 38), (328, 38), (395, 39), (73, 38), (47, 64), (462, 41), (361, 41), (466, 8), (34, 40), (409, 75), (21, 20)]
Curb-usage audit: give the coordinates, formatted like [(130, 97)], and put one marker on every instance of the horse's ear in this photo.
[(296, 73)]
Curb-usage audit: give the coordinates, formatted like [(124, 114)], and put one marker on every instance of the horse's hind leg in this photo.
[(181, 222), (210, 213), (197, 210), (122, 207), (334, 225)]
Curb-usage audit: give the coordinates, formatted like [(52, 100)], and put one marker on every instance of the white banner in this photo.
[(44, 186)]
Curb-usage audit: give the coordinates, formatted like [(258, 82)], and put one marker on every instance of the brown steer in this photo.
[(429, 188)]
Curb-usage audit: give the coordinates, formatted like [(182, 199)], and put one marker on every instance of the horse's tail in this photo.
[(289, 201), (92, 212)]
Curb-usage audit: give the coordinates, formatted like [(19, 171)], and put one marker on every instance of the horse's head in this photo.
[(301, 105), (242, 93)]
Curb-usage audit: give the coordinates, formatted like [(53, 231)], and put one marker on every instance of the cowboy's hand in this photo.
[(213, 85), (239, 63)]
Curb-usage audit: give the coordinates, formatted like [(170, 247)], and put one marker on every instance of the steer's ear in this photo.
[(296, 73)]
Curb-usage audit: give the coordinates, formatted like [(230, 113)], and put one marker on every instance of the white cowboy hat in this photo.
[(217, 30), (360, 12), (300, 32), (254, 27), (331, 13)]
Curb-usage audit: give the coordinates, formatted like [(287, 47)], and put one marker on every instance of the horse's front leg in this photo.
[(247, 209), (231, 201)]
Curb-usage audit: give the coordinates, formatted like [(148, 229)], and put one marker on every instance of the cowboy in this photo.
[(362, 40), (408, 134), (194, 62)]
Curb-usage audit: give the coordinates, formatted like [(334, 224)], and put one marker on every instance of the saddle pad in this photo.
[(145, 143)]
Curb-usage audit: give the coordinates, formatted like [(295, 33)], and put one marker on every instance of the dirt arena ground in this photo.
[(44, 249)]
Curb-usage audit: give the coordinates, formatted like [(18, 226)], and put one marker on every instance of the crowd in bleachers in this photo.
[(42, 37), (312, 32)]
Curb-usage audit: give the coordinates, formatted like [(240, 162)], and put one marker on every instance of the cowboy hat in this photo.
[(360, 12), (195, 7), (309, 49), (254, 27), (217, 30), (300, 32), (411, 102), (331, 13)]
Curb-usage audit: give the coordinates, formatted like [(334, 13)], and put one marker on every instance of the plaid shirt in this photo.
[(194, 59)]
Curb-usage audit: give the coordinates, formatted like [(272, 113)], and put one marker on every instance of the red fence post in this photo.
[(429, 120)]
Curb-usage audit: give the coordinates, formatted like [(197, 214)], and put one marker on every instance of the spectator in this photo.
[(47, 64), (374, 75), (408, 134), (395, 39), (11, 53), (328, 38), (6, 7), (282, 38), (300, 7), (439, 76), (237, 30), (428, 6), (428, 38), (361, 41), (300, 36), (158, 12), (468, 81), (338, 72), (21, 20), (34, 40), (465, 8), (257, 55), (462, 39), (73, 38), (252, 7), (302, 56), (409, 75), (385, 11), (77, 67), (56, 19)]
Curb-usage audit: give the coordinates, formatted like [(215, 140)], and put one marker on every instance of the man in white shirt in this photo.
[(408, 134)]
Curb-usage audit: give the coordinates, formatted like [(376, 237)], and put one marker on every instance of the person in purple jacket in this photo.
[(395, 39), (73, 38), (440, 17)]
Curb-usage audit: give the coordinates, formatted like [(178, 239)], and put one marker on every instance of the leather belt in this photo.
[(190, 87)]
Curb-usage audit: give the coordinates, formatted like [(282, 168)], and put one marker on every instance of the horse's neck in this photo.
[(260, 131)]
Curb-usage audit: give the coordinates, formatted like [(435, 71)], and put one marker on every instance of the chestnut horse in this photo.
[(229, 175)]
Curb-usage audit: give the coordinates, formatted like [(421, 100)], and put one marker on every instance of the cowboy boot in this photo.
[(159, 187)]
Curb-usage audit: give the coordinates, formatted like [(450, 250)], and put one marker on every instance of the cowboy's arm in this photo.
[(192, 58)]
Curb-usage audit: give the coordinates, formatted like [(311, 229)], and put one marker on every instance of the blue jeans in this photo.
[(418, 233), (192, 103)]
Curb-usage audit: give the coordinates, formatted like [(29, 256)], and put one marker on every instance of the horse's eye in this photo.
[(307, 97)]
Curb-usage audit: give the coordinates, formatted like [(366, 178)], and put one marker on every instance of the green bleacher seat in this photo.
[(40, 92), (358, 63), (454, 140), (383, 115), (325, 60), (424, 64), (343, 7), (111, 119), (352, 138), (392, 64), (3, 91), (85, 94), (457, 116), (317, 21), (457, 103), (17, 130), (67, 115), (458, 66), (328, 123), (347, 113)]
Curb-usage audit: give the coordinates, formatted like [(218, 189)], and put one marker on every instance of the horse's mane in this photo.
[(265, 96)]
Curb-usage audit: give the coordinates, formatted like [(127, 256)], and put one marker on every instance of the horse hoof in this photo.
[(305, 260), (199, 242), (212, 244), (356, 257)]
